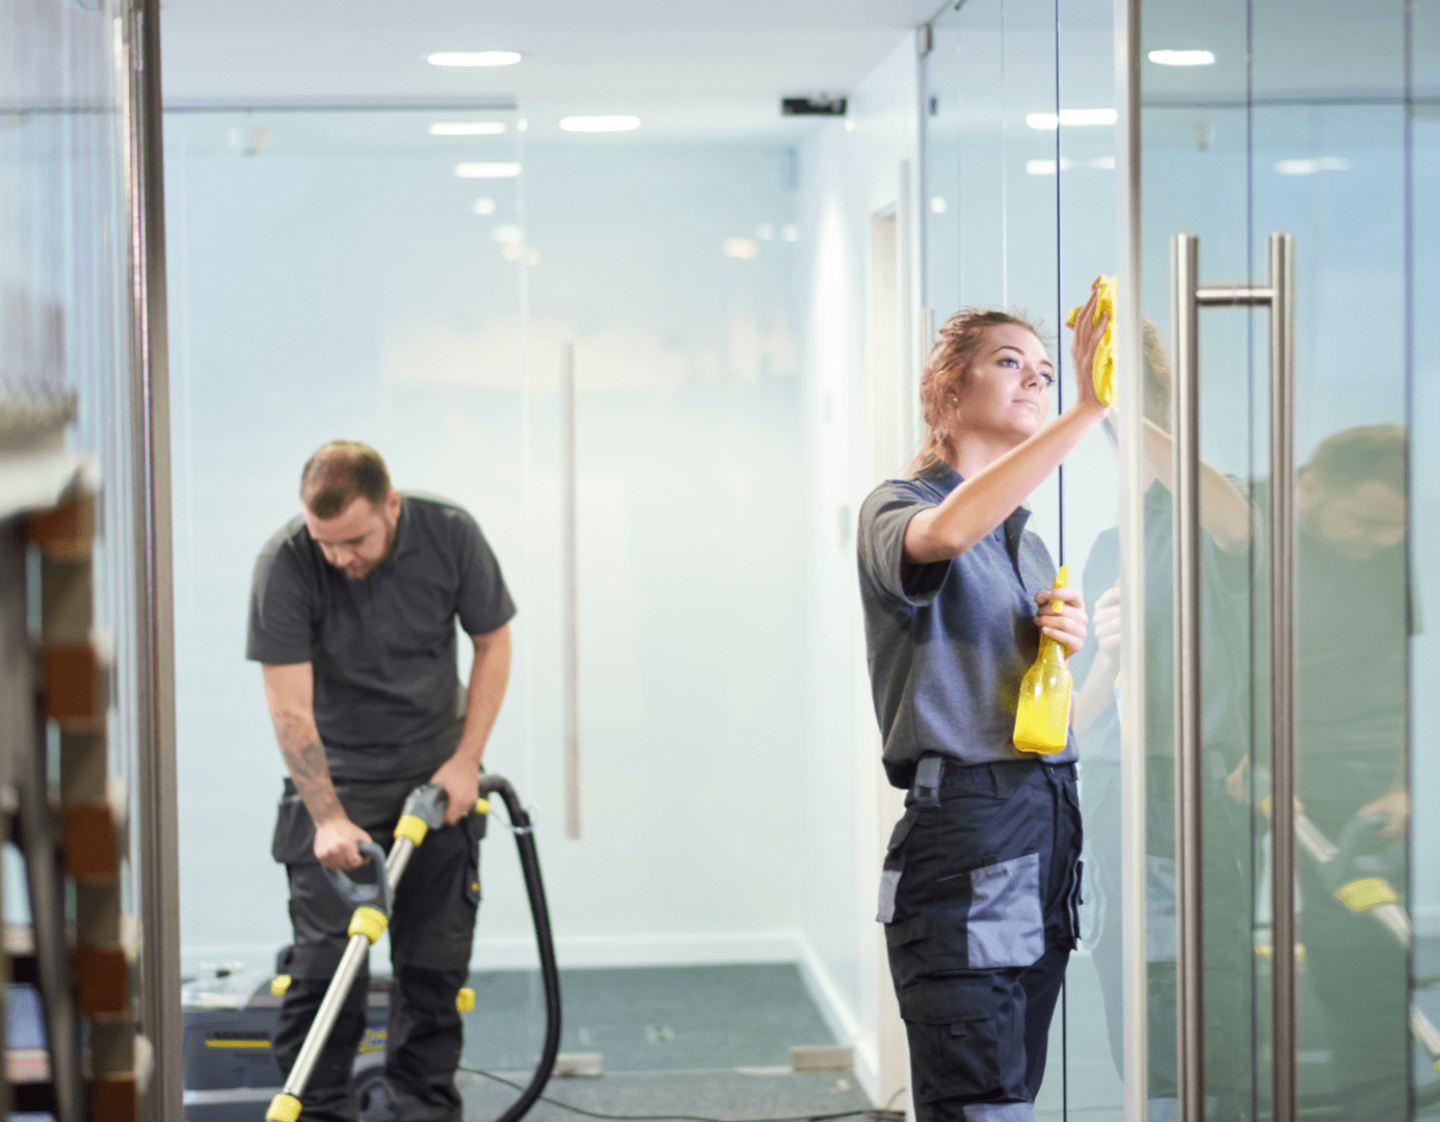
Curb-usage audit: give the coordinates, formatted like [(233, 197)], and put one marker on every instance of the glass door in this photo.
[(1297, 625), (1020, 204)]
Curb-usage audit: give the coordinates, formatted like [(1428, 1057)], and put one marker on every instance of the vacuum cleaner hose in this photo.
[(544, 941)]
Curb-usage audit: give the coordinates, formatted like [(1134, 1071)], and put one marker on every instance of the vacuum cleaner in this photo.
[(229, 1069)]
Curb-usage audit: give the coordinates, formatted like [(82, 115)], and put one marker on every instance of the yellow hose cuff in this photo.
[(283, 1108), (413, 828), (370, 922), (465, 1000), (482, 806), (1366, 894), (279, 984), (1437, 1067)]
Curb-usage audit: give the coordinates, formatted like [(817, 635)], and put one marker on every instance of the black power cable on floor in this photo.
[(870, 1114)]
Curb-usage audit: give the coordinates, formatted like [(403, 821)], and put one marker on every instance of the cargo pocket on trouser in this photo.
[(474, 827), (293, 842), (433, 919), (1005, 925), (318, 916), (967, 1042), (894, 866)]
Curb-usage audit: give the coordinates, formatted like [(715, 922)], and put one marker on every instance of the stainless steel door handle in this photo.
[(1187, 298)]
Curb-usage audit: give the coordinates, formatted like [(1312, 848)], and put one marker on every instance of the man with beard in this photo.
[(352, 618), (1353, 624)]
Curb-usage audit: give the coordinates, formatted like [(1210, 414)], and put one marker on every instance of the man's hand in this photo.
[(337, 843), (1395, 806), (461, 780)]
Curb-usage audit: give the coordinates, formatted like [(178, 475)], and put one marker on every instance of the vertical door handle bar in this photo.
[(1189, 898), (1187, 297), (569, 589)]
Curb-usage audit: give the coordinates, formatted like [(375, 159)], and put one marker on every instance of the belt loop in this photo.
[(926, 791)]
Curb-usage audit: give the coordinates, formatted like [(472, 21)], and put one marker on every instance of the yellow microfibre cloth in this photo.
[(1104, 372)]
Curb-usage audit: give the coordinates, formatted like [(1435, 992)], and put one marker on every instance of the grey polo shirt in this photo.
[(948, 642), (382, 649)]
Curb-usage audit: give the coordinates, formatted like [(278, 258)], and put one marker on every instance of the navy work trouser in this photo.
[(980, 901), (432, 925)]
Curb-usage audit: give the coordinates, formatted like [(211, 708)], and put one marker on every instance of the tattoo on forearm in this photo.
[(305, 757)]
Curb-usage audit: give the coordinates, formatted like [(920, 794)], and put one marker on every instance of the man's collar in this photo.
[(404, 539)]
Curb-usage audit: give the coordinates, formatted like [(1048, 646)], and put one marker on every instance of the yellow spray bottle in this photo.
[(1043, 715)]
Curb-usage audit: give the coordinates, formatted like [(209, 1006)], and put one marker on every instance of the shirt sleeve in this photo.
[(884, 518), (282, 604), (482, 601)]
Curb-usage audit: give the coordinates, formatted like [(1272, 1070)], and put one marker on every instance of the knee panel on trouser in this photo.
[(423, 1045)]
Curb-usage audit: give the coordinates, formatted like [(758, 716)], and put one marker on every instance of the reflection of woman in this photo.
[(1226, 520), (981, 879)]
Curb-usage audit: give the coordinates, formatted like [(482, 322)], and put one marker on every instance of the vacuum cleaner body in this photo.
[(230, 1071)]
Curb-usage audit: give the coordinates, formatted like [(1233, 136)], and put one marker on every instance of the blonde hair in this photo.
[(946, 370)]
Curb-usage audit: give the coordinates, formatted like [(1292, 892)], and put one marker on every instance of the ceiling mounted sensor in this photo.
[(619, 122), (821, 106), (486, 171), (1192, 57), (473, 58), (467, 128)]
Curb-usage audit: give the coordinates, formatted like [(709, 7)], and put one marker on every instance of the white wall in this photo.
[(847, 175)]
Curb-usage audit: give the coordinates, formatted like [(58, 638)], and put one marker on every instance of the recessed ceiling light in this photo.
[(1313, 166), (1047, 167), (473, 58), (1072, 117), (1182, 58), (616, 123), (467, 128), (483, 207), (487, 171), (743, 248)]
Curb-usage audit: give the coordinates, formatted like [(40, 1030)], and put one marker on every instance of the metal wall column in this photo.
[(156, 799)]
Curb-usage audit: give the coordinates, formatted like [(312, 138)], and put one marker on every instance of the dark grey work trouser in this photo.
[(980, 899), (432, 926)]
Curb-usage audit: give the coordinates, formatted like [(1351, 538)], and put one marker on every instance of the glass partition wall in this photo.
[(332, 276), (1254, 118), (427, 283), (1020, 212)]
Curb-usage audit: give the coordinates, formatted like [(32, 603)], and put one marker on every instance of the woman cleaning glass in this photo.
[(981, 884)]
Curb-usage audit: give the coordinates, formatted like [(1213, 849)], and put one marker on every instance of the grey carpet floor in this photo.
[(709, 1041)]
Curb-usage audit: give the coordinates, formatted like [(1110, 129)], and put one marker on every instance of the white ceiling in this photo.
[(719, 68)]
